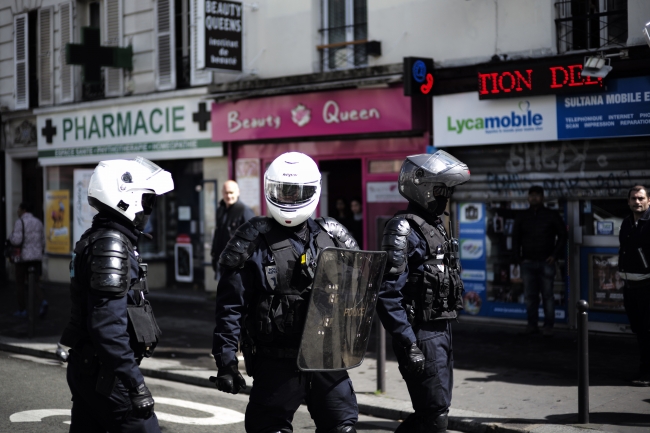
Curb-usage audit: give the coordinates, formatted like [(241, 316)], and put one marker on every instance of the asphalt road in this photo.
[(35, 398)]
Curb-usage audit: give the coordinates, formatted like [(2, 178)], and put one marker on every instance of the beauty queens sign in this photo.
[(312, 114)]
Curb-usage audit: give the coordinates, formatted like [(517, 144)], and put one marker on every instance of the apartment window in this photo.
[(590, 24), (344, 34), (182, 31)]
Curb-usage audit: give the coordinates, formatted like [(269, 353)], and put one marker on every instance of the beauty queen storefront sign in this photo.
[(312, 114)]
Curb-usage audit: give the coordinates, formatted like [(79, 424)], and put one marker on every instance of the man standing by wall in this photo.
[(539, 235), (634, 267), (231, 213)]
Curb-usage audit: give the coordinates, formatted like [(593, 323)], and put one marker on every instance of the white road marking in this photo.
[(220, 415)]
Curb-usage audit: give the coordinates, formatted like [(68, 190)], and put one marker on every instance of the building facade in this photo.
[(326, 77)]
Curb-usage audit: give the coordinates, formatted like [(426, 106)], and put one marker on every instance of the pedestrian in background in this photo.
[(231, 213), (634, 267), (538, 238), (356, 221), (28, 234)]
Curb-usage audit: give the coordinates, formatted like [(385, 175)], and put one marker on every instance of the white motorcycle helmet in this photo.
[(292, 188), (127, 188)]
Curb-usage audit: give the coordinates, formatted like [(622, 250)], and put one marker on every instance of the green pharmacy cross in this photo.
[(92, 56)]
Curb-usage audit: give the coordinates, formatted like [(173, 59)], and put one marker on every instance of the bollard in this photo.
[(381, 357), (31, 301), (583, 363)]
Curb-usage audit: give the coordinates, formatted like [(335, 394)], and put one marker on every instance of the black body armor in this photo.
[(102, 262), (434, 289)]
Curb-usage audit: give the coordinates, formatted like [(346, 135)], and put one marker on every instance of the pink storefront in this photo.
[(358, 137)]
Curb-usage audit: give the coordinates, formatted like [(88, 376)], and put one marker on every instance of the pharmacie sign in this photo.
[(162, 129), (220, 27), (313, 114)]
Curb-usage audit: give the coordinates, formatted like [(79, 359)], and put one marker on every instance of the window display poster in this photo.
[(471, 224), (82, 211), (57, 221), (605, 283), (247, 172)]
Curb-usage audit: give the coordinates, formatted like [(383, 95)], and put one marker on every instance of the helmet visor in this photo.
[(436, 163), (290, 194), (148, 165)]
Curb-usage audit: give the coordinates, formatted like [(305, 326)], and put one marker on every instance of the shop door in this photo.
[(341, 185), (597, 224)]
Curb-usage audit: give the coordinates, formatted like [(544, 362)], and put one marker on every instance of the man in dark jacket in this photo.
[(539, 236), (231, 213), (634, 267)]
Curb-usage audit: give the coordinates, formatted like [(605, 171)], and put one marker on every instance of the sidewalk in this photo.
[(503, 382)]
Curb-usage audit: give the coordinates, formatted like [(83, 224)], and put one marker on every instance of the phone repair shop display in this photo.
[(494, 284), (183, 263)]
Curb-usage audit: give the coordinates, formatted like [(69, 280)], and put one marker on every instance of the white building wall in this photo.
[(139, 31)]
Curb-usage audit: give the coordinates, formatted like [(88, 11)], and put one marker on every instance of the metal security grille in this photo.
[(590, 24)]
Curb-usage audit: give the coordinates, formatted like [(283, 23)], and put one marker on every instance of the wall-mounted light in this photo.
[(599, 66)]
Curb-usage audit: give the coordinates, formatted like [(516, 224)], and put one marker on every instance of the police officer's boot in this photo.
[(343, 429), (424, 423)]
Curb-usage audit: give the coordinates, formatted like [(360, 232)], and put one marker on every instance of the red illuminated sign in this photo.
[(535, 80)]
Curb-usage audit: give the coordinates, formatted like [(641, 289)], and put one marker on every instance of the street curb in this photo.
[(461, 423)]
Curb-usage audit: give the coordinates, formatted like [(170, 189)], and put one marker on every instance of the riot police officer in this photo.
[(262, 297), (112, 325), (422, 290)]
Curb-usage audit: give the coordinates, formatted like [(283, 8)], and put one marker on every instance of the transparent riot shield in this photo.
[(341, 308)]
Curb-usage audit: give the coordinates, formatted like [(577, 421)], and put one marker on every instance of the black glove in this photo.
[(229, 379), (141, 401), (415, 359)]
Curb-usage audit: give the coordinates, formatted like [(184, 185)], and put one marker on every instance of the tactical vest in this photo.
[(438, 286), (106, 254), (281, 315)]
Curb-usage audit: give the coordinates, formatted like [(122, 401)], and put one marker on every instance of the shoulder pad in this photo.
[(394, 243), (109, 262), (338, 232), (240, 247)]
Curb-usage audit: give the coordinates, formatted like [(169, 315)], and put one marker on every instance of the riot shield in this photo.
[(340, 310)]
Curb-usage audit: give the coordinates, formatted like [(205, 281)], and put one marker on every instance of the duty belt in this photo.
[(276, 352)]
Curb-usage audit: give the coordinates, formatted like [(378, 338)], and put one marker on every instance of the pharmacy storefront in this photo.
[(586, 151), (172, 132)]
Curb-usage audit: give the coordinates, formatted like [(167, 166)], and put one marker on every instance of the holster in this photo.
[(144, 326), (248, 350)]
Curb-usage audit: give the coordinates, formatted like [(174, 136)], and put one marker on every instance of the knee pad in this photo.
[(343, 429)]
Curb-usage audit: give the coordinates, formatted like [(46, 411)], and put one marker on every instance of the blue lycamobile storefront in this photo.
[(586, 151)]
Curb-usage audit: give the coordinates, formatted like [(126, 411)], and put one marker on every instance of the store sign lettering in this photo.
[(535, 80), (333, 114), (124, 124)]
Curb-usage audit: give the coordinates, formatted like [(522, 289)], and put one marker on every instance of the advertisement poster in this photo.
[(57, 221), (471, 218), (605, 283), (82, 211), (247, 173)]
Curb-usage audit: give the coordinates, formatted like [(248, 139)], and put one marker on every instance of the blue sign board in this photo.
[(623, 110)]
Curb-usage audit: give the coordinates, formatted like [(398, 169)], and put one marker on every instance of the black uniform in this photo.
[(111, 329), (228, 219), (634, 258), (421, 293), (262, 301)]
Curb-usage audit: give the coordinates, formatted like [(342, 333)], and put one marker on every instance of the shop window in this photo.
[(344, 34), (504, 279), (385, 166), (603, 217), (590, 24)]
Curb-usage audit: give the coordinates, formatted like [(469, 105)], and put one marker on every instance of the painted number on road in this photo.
[(219, 415)]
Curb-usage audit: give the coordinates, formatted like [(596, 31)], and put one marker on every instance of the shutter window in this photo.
[(197, 77), (21, 62), (114, 77), (165, 58), (67, 72), (45, 57)]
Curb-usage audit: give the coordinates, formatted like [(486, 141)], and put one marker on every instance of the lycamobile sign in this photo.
[(461, 119), (163, 129), (528, 121)]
